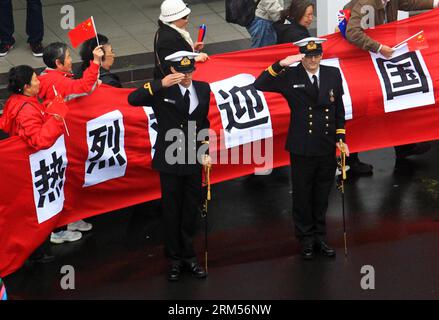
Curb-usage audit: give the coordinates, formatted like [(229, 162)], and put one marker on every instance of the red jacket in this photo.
[(23, 116), (65, 85)]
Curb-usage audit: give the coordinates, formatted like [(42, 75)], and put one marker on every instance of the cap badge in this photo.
[(311, 46), (185, 62)]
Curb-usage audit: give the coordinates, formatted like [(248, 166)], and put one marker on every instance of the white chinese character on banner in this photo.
[(48, 168), (152, 128), (106, 149), (405, 80), (244, 111)]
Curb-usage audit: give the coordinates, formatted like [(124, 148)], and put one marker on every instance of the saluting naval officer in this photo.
[(181, 106), (317, 123)]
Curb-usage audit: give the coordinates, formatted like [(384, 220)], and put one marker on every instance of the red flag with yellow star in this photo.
[(418, 43), (82, 32), (415, 42)]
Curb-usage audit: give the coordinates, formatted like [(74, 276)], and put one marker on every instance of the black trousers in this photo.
[(404, 148), (312, 180), (181, 200), (34, 22)]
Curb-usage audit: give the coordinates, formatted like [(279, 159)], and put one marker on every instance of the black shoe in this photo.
[(5, 48), (37, 49), (417, 149), (308, 252), (325, 249), (174, 271), (196, 270), (360, 168), (44, 258)]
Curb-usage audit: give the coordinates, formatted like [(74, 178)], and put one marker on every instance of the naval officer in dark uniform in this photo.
[(314, 94), (181, 107)]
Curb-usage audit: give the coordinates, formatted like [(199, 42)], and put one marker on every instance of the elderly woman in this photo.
[(295, 21), (172, 36), (86, 53), (23, 114)]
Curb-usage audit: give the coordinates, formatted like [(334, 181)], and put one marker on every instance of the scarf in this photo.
[(185, 34)]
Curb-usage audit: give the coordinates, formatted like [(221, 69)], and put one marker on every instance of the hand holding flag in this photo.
[(58, 108)]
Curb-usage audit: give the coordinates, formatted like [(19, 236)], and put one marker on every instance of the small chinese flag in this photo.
[(418, 42), (57, 106), (84, 31)]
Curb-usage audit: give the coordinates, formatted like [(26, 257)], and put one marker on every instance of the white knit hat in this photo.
[(172, 10)]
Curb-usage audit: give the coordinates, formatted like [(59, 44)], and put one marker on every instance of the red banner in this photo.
[(380, 118)]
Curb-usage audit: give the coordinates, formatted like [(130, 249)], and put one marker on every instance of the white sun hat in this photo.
[(173, 10)]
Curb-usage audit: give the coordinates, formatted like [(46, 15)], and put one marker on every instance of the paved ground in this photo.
[(130, 25), (392, 220)]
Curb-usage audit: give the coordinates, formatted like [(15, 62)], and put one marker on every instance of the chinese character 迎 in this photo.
[(235, 111)]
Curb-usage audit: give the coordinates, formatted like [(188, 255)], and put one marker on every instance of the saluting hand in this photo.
[(172, 79), (291, 59), (98, 53)]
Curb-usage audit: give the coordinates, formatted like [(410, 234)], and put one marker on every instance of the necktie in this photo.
[(186, 102), (315, 84)]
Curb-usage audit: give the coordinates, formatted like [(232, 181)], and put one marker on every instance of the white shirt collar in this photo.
[(192, 96), (385, 2), (183, 89), (310, 75)]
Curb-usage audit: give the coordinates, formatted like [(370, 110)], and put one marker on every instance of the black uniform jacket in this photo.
[(317, 121), (166, 42), (290, 32), (167, 104)]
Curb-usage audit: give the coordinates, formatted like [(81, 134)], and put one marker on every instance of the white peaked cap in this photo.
[(304, 42), (177, 56)]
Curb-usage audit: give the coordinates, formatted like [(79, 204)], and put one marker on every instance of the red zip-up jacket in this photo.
[(24, 116), (65, 85)]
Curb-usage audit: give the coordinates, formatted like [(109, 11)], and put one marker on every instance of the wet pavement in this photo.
[(392, 222)]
